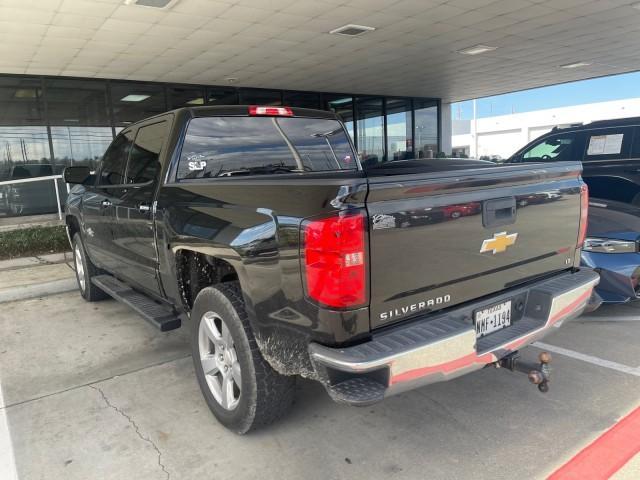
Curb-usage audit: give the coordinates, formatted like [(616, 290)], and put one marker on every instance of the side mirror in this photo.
[(76, 174)]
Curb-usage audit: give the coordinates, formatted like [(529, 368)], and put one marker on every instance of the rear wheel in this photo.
[(85, 270), (239, 386)]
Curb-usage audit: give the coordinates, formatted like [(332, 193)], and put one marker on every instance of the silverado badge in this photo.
[(498, 243)]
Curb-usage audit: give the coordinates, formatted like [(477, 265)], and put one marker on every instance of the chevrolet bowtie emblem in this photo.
[(498, 243)]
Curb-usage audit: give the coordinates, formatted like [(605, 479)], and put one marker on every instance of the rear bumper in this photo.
[(442, 347)]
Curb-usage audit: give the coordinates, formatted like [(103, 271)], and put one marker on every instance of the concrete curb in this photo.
[(26, 262), (38, 290)]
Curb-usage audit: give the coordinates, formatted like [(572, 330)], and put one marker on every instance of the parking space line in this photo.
[(7, 459), (601, 362), (607, 454), (608, 319)]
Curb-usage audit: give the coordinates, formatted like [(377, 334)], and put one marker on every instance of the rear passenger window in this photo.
[(236, 146), (557, 148), (144, 161), (608, 143)]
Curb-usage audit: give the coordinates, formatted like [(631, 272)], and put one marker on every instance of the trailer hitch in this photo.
[(538, 373)]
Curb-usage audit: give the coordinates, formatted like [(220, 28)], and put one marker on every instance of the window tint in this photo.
[(558, 148), (115, 159), (144, 161), (608, 143), (230, 146)]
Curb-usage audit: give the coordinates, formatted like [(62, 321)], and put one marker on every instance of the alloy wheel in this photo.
[(77, 256), (219, 360)]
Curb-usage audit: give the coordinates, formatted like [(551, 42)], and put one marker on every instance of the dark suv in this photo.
[(610, 154)]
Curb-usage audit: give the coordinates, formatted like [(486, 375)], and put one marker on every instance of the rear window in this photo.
[(237, 146)]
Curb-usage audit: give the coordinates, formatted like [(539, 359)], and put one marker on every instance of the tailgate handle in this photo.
[(499, 211)]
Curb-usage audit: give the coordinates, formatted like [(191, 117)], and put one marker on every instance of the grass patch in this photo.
[(32, 241)]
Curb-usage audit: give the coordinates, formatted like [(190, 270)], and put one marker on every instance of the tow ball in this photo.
[(539, 374)]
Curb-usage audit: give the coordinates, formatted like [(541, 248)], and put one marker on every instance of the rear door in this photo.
[(98, 201), (133, 228), (608, 170)]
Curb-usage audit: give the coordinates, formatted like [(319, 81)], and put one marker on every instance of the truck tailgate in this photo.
[(441, 239)]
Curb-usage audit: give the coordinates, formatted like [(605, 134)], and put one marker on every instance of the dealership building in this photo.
[(75, 72), (503, 135)]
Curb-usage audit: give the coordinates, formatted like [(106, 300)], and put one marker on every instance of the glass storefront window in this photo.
[(250, 96), (426, 129), (302, 100), (77, 102), (399, 129), (21, 101), (79, 117), (22, 146), (80, 145), (343, 107), (136, 101), (370, 126), (24, 143), (185, 97), (222, 96)]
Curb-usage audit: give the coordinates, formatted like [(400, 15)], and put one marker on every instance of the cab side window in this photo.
[(556, 148), (144, 160), (115, 160), (608, 143)]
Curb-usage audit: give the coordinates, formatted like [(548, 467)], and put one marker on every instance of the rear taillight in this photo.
[(334, 251), (256, 110), (584, 212)]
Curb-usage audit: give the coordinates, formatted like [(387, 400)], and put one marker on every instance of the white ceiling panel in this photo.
[(285, 43)]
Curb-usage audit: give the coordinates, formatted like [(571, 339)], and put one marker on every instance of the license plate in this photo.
[(490, 319)]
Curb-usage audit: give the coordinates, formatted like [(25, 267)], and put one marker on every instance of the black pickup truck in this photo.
[(260, 228)]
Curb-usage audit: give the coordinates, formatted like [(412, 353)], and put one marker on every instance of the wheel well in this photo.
[(196, 271), (72, 225)]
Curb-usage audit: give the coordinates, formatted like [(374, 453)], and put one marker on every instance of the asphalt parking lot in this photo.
[(92, 391)]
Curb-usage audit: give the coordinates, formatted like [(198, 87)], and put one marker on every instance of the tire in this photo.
[(85, 270), (222, 341)]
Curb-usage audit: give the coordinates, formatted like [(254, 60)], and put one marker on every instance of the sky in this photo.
[(585, 91)]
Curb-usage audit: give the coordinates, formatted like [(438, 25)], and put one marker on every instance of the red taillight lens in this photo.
[(335, 260), (256, 110), (584, 212)]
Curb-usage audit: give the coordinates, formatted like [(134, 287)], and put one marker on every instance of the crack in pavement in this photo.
[(133, 423), (88, 384)]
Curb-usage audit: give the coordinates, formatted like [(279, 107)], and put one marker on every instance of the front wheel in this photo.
[(85, 269), (239, 386)]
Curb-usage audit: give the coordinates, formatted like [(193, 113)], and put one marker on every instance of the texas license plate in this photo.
[(490, 319)]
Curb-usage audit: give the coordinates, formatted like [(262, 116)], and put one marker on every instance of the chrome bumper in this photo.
[(442, 347)]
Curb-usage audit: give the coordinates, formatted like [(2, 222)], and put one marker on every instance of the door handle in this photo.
[(143, 208), (106, 203)]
